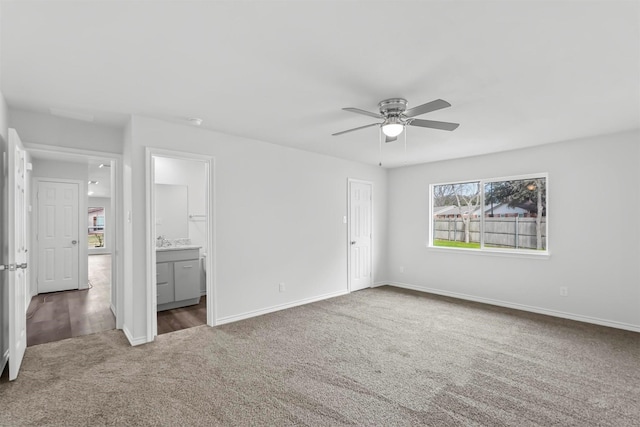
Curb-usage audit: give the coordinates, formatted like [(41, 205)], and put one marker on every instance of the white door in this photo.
[(360, 235), (58, 236), (16, 236)]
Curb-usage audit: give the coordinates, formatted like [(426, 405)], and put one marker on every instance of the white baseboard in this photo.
[(553, 313), (377, 284), (133, 341), (249, 314)]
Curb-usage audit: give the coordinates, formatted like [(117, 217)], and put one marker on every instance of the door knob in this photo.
[(353, 242), (73, 242)]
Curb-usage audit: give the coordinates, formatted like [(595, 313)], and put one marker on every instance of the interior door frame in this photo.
[(152, 307), (83, 271), (349, 261), (117, 253)]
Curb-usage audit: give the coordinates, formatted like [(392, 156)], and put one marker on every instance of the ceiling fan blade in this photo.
[(366, 113), (390, 138), (351, 130), (434, 124), (438, 104)]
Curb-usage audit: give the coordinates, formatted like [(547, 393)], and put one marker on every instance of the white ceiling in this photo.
[(516, 73)]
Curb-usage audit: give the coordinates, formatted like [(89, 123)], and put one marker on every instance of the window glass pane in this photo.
[(96, 227), (456, 215), (515, 214)]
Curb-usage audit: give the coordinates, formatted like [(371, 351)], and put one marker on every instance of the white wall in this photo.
[(278, 218), (55, 169), (593, 232), (4, 119), (39, 128), (109, 223), (49, 168), (192, 174)]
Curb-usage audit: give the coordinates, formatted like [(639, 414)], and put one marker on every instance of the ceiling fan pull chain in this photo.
[(380, 152)]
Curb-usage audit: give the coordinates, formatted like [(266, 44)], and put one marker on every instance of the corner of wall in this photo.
[(4, 119), (134, 341)]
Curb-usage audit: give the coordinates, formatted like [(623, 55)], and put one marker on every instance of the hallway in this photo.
[(59, 315)]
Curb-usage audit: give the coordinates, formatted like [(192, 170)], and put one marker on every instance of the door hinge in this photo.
[(13, 267)]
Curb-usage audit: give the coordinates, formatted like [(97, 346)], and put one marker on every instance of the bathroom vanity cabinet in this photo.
[(177, 276)]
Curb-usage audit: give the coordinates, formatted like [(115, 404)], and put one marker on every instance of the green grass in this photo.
[(453, 244), (94, 242)]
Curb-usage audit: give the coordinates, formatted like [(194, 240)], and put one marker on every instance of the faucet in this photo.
[(161, 241)]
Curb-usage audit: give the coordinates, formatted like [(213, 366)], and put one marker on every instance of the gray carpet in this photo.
[(383, 357)]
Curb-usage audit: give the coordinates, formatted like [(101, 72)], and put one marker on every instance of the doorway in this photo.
[(91, 304), (180, 238), (360, 234)]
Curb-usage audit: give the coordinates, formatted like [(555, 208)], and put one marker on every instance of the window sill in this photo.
[(494, 252)]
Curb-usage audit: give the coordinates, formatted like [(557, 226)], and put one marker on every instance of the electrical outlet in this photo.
[(564, 291), (281, 287), (401, 269)]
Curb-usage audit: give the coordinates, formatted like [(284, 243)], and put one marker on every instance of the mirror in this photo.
[(172, 211)]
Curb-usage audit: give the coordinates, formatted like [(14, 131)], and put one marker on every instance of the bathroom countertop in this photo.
[(176, 248)]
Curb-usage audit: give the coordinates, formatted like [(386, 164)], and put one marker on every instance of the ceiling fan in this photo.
[(396, 116)]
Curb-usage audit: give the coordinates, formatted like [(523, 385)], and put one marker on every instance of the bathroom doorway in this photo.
[(180, 231)]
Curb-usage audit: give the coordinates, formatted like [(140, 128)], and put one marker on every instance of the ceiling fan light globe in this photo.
[(392, 129)]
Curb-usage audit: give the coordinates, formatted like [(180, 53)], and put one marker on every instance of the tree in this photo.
[(100, 240), (496, 193), (529, 194), (465, 196), (443, 195)]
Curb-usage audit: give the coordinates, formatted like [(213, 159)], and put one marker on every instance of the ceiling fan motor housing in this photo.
[(392, 107)]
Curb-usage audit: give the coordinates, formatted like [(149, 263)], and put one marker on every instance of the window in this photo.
[(503, 214), (96, 227)]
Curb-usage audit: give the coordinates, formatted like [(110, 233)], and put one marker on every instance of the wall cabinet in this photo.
[(177, 278)]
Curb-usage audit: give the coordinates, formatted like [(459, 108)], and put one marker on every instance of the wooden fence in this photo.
[(512, 232)]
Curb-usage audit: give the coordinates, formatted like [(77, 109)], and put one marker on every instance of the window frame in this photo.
[(104, 228), (491, 251)]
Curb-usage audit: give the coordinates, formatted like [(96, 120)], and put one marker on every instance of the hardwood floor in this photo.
[(59, 315), (183, 318)]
